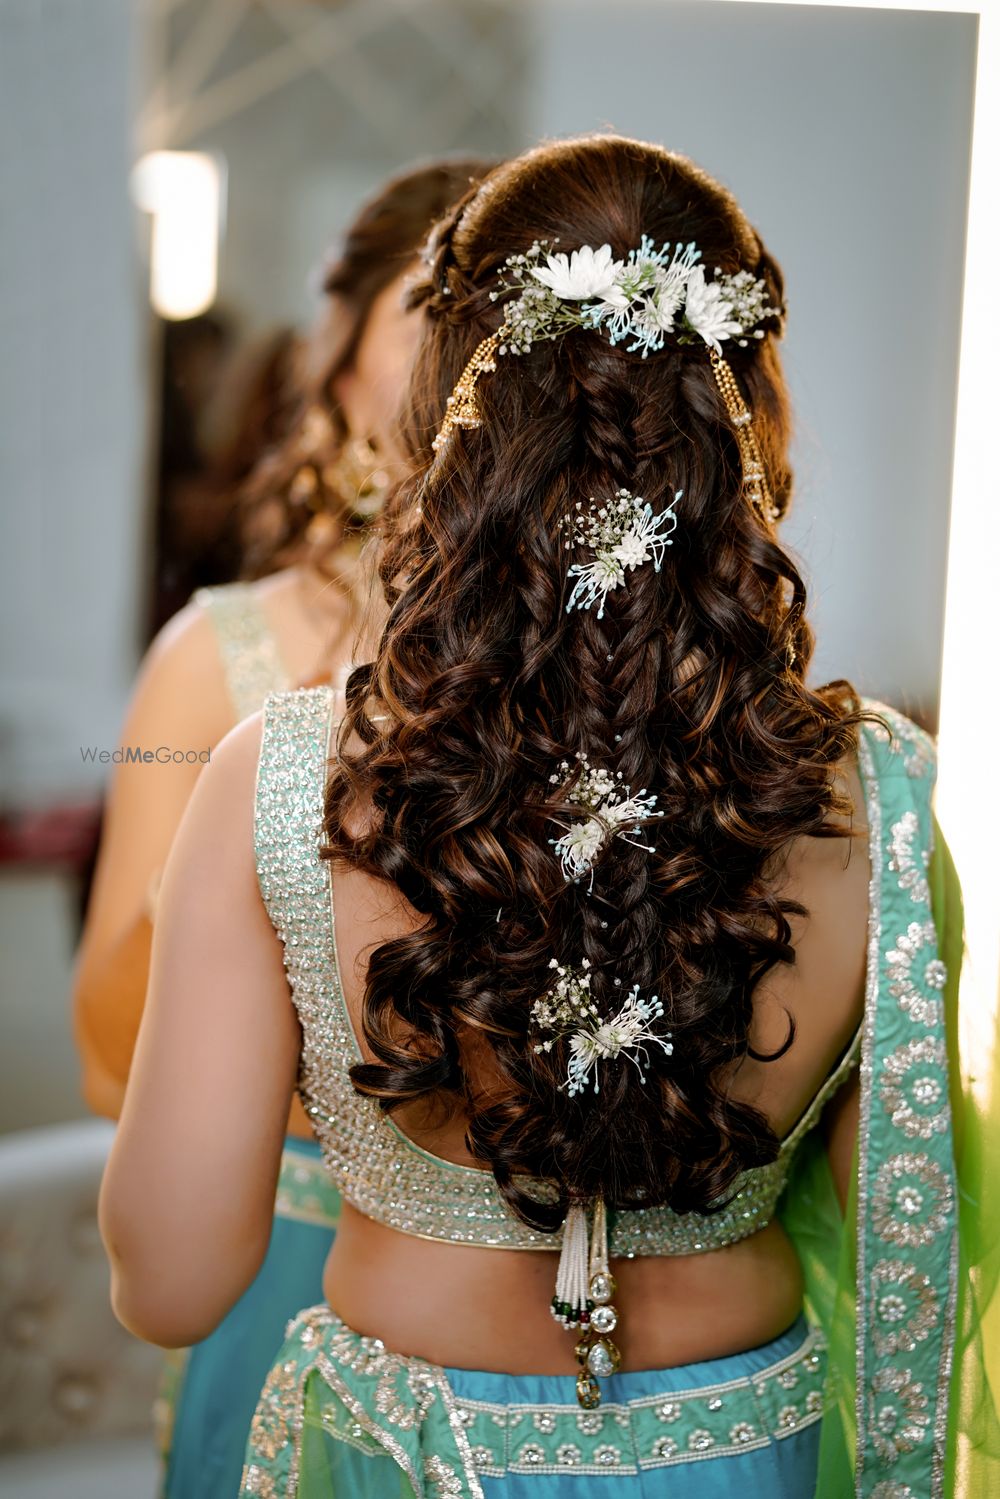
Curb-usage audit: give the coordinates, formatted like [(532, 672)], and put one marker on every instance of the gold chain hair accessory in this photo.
[(463, 408), (754, 475)]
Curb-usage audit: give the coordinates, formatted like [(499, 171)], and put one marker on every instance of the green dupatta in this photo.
[(902, 1279)]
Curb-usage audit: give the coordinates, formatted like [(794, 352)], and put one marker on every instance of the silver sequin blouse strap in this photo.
[(250, 657), (377, 1169)]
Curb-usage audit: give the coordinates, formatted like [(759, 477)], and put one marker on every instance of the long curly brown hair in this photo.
[(692, 686), (300, 479)]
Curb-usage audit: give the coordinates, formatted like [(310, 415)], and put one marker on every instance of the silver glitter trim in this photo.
[(901, 861), (461, 1435)]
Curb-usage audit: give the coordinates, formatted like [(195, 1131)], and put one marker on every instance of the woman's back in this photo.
[(695, 1312)]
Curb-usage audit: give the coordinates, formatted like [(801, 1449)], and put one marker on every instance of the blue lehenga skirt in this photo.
[(214, 1394), (341, 1417)]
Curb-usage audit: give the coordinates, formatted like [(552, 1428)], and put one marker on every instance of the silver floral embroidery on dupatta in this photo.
[(905, 1318), (904, 861)]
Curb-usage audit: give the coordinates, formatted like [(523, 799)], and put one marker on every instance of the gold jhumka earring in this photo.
[(356, 477)]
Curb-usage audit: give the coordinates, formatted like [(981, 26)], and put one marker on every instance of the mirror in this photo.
[(845, 133)]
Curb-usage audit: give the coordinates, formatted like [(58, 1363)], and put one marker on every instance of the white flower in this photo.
[(616, 319), (709, 311), (594, 581), (662, 308), (670, 280), (657, 288), (646, 327), (580, 845), (639, 301), (584, 276), (632, 550), (623, 533)]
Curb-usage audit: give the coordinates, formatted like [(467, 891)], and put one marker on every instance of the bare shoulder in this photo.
[(227, 786), (213, 852), (281, 589), (309, 619), (182, 680)]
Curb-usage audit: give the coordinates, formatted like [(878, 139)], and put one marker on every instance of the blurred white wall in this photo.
[(72, 387), (39, 1068), (335, 98), (845, 135)]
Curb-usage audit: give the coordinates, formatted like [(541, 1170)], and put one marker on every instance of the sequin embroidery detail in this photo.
[(251, 661), (906, 1228), (381, 1401)]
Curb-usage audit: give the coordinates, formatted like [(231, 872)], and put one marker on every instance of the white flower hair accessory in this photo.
[(624, 533), (569, 1013), (613, 811), (640, 301)]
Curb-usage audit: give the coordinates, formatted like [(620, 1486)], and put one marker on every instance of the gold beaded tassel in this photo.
[(754, 476), (463, 409)]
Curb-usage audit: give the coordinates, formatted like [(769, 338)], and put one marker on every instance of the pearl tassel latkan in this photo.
[(582, 1300)]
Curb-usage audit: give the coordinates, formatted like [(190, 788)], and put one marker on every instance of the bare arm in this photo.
[(188, 1196), (180, 703)]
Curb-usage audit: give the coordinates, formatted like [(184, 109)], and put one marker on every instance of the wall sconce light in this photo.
[(183, 191)]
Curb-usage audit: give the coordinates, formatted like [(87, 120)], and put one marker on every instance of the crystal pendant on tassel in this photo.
[(588, 1391), (603, 1356)]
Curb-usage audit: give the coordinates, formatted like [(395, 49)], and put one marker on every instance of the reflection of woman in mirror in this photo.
[(572, 922), (213, 664)]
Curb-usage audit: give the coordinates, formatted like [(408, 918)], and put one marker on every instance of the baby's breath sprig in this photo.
[(568, 1011), (624, 533), (613, 811), (567, 1004)]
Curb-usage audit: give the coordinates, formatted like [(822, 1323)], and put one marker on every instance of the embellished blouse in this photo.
[(378, 1169)]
